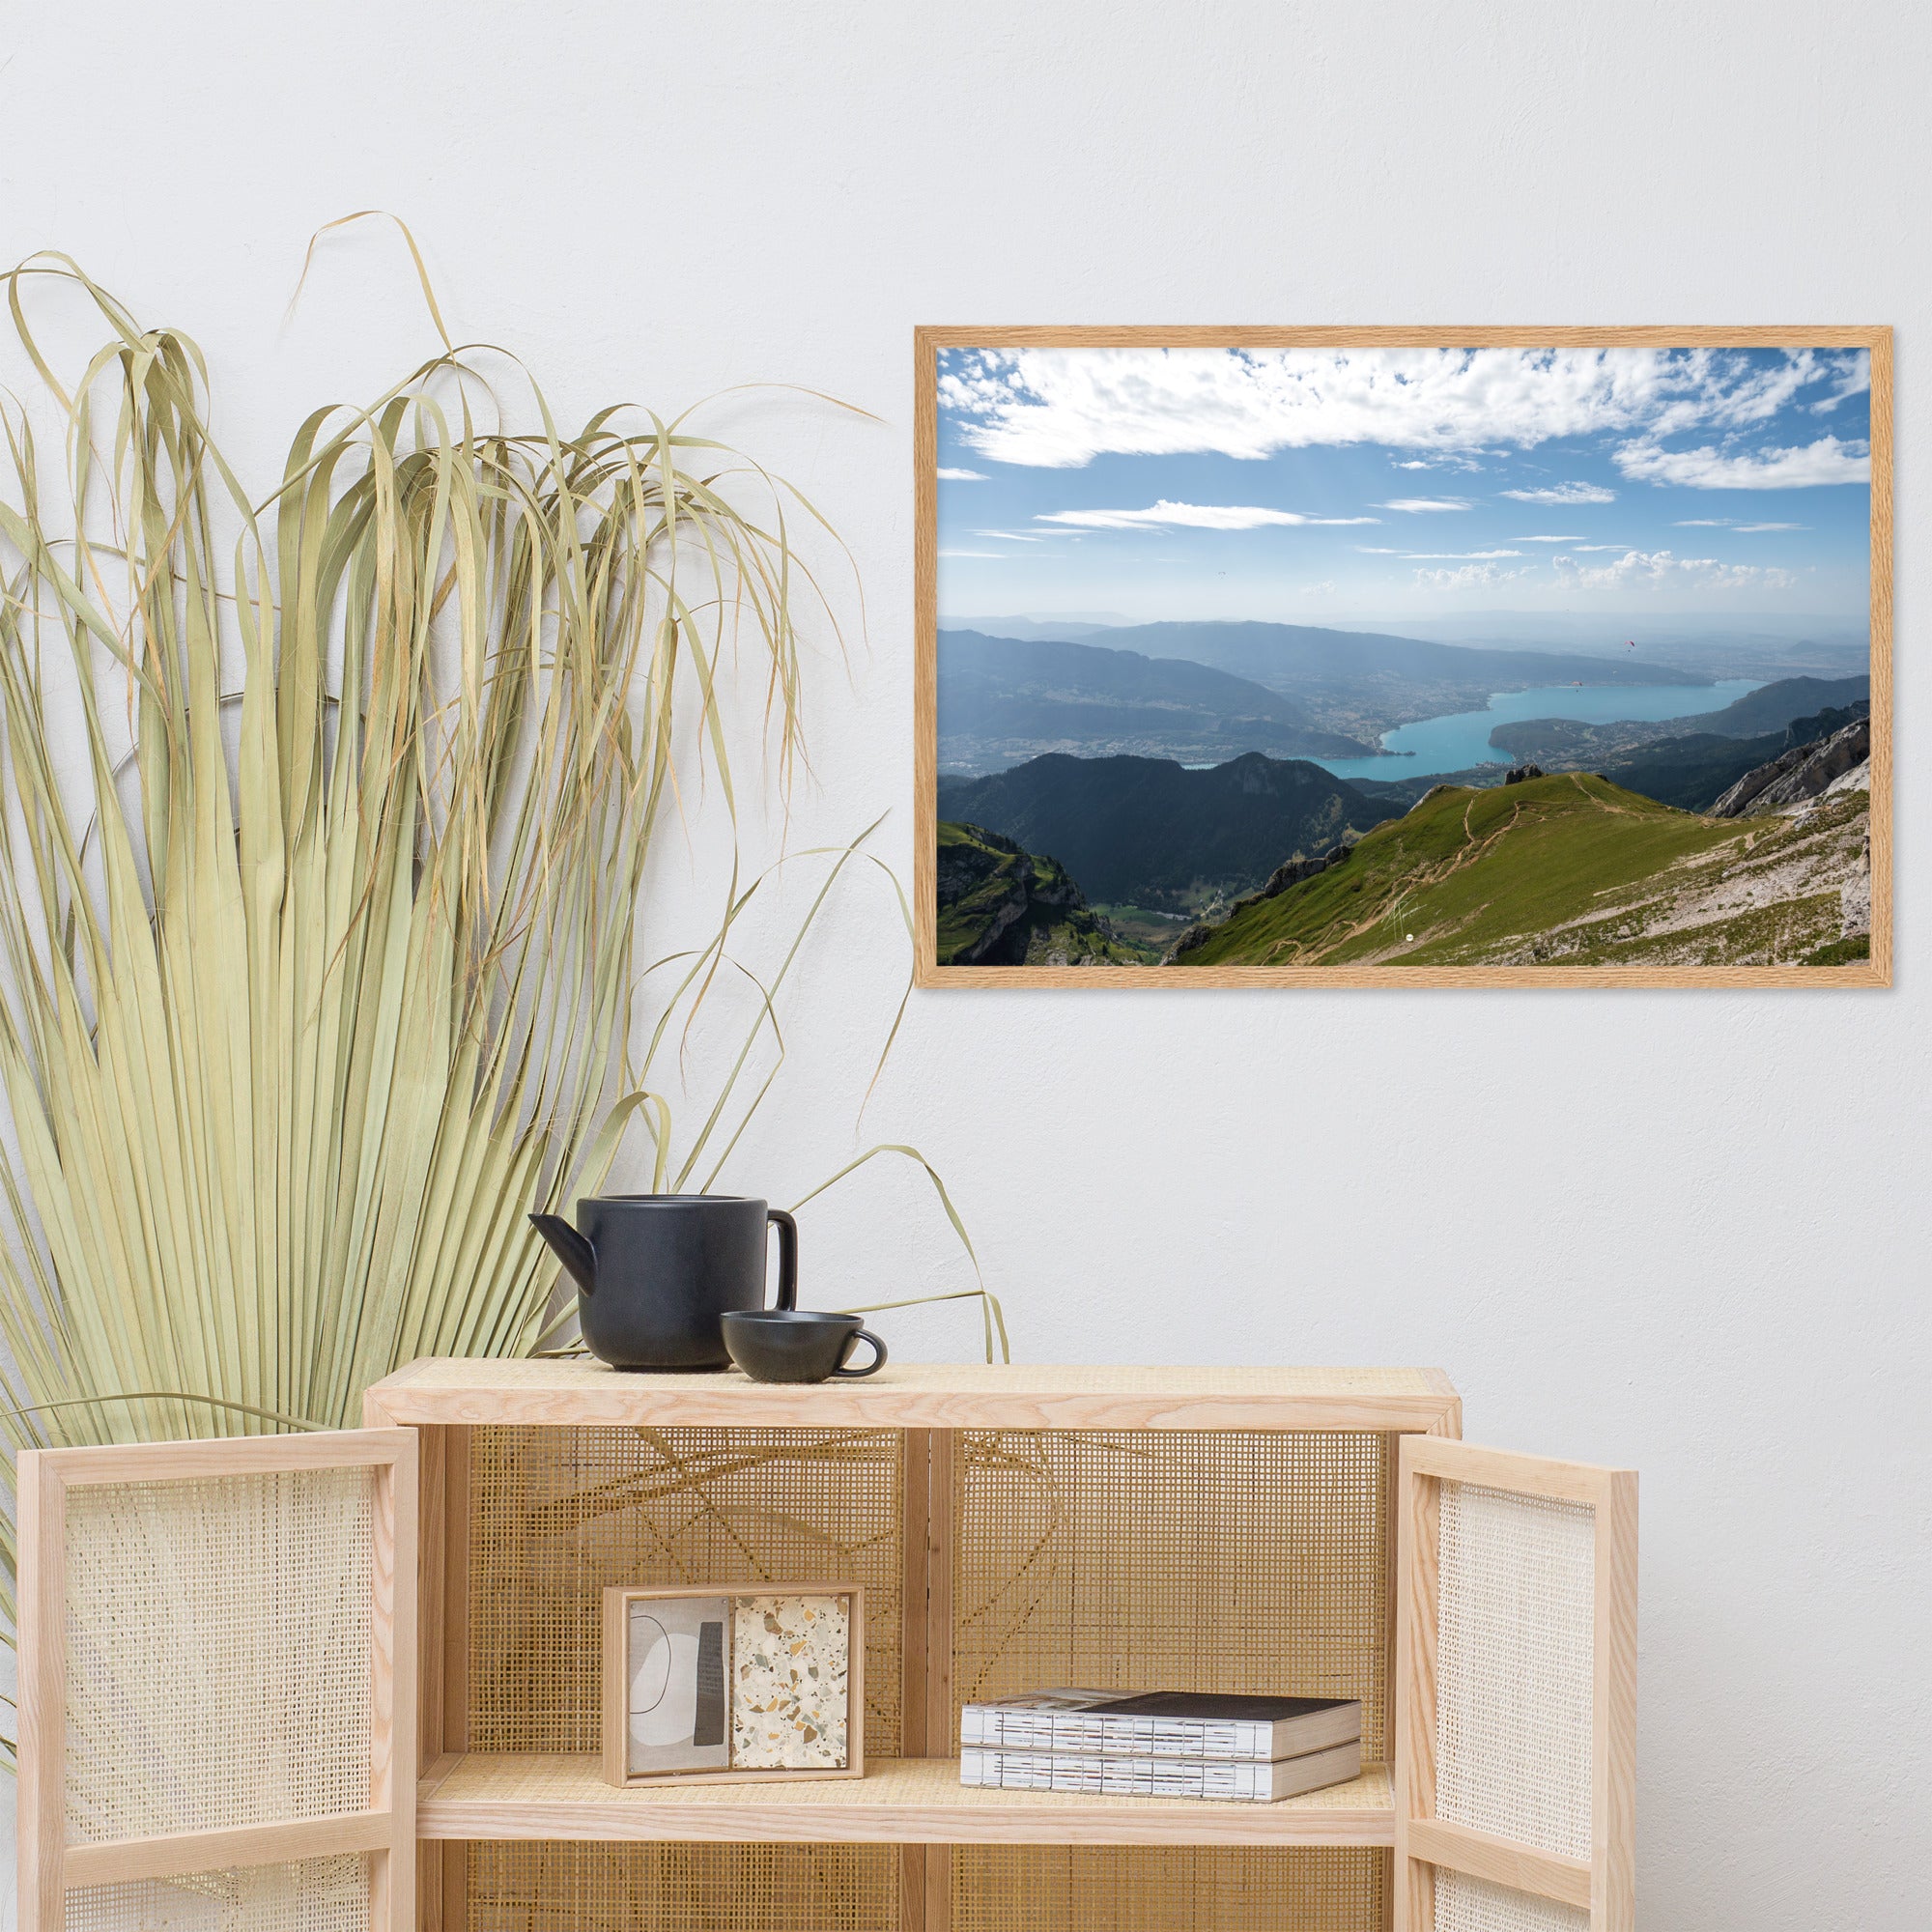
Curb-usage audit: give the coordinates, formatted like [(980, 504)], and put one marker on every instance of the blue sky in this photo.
[(1337, 485)]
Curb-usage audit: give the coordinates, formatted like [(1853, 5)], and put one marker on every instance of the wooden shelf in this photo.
[(582, 1392), (899, 1802)]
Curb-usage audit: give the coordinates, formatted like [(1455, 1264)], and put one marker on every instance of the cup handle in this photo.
[(872, 1367), (788, 1257)]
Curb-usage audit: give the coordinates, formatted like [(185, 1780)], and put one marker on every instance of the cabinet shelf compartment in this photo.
[(1208, 1528), (899, 1802)]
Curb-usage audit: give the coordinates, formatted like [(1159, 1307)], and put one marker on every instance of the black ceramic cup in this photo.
[(791, 1345)]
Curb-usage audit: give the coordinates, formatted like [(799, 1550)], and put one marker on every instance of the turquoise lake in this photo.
[(1456, 743)]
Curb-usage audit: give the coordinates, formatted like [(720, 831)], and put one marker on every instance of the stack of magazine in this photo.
[(1163, 1744)]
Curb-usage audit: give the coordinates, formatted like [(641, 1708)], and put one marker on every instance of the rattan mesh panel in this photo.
[(556, 1515), (1466, 1904), (536, 1886), (314, 1895), (1174, 1560), (1515, 1649), (1108, 1888), (218, 1651)]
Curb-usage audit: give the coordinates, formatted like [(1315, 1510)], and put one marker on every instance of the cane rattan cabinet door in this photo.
[(217, 1685), (1516, 1693)]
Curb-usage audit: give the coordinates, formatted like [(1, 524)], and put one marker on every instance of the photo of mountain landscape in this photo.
[(1404, 660)]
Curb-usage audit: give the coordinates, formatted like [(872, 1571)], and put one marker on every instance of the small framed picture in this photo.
[(751, 1685)]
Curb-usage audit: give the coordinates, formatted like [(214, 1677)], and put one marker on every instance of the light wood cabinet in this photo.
[(1317, 1531)]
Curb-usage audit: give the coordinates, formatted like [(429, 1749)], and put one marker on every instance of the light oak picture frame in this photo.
[(614, 1713), (930, 342)]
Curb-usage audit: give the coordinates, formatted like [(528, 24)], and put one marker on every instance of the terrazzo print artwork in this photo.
[(790, 1658)]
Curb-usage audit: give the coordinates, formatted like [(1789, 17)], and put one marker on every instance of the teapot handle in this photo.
[(788, 1257)]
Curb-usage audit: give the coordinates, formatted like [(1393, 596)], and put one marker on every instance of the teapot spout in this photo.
[(570, 1248)]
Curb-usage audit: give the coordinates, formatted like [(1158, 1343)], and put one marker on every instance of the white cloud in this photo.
[(1731, 524), (1803, 467), (1583, 550), (1546, 539), (961, 476), (1470, 576), (1636, 567), (1852, 382), (1188, 516), (1454, 555), (1061, 408), (1449, 459), (990, 556), (1565, 492), (1424, 503)]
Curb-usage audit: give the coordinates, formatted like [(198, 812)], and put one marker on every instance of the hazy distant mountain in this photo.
[(1566, 742), (1148, 832), (1750, 644), (1362, 683), (1772, 706), (1074, 625), (1610, 630), (1005, 700), (1290, 657)]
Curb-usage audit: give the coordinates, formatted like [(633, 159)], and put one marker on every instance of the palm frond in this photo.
[(319, 968)]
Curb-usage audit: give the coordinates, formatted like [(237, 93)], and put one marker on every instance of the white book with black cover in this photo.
[(1231, 1781), (1162, 1724)]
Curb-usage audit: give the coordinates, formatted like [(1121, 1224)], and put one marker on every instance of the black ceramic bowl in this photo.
[(794, 1345)]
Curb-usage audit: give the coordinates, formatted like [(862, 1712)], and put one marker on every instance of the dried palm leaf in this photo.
[(319, 973)]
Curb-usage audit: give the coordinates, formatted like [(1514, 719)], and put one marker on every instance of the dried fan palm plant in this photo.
[(319, 959)]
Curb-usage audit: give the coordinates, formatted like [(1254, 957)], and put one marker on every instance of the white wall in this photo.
[(1685, 1231)]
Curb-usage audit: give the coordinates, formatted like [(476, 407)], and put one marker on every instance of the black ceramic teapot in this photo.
[(655, 1272)]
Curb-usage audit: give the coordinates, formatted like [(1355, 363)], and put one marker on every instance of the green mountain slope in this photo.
[(1692, 773), (1000, 905), (1569, 869), (1006, 699), (1148, 832)]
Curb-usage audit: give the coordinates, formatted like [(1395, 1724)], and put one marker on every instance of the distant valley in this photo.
[(1362, 683), (1205, 693), (1768, 709), (1150, 795), (1688, 762), (1149, 833), (1005, 700)]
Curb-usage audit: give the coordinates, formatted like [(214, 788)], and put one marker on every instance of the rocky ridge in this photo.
[(1001, 905), (1797, 776)]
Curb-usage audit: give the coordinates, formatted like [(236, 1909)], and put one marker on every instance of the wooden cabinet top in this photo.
[(918, 1394)]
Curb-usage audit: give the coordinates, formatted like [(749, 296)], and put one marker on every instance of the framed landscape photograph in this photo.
[(1404, 656)]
